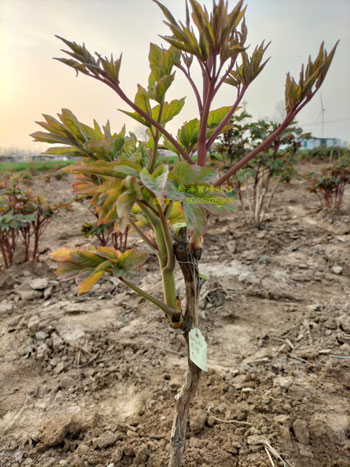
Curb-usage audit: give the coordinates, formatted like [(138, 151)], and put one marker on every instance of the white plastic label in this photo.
[(198, 349)]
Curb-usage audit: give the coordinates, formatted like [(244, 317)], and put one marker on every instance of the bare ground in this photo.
[(90, 380)]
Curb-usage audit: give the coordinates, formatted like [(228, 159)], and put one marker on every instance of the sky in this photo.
[(32, 83)]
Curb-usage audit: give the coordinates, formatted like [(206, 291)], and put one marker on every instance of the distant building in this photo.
[(7, 158), (46, 157), (316, 142)]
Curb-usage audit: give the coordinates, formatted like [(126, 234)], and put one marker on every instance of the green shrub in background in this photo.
[(323, 154)]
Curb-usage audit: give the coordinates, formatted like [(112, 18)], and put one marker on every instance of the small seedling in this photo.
[(330, 185), (23, 216)]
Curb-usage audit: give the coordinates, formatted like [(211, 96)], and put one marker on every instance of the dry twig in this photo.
[(229, 421)]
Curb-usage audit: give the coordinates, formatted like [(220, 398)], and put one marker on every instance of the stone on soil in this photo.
[(197, 421), (39, 284), (5, 307), (57, 429), (337, 270), (33, 324), (27, 295), (106, 439), (344, 322), (42, 351), (57, 341)]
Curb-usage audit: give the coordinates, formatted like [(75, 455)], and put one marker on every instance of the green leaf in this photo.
[(124, 207), (109, 253), (156, 181), (142, 100), (170, 110), (71, 122), (196, 219), (176, 215), (131, 260), (89, 282), (187, 174), (136, 117), (51, 138), (188, 134), (155, 57), (215, 117), (63, 151), (161, 87), (108, 213)]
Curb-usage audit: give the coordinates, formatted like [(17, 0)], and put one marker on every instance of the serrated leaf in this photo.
[(161, 86), (142, 100), (170, 110), (216, 116), (188, 174), (188, 134), (156, 181)]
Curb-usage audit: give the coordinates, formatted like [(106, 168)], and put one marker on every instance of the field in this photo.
[(90, 380), (31, 167)]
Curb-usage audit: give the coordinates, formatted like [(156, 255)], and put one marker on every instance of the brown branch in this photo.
[(226, 119), (194, 87), (288, 119), (147, 117)]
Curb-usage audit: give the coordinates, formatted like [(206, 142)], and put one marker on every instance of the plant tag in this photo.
[(198, 349)]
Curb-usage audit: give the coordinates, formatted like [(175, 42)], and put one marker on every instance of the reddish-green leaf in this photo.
[(89, 282)]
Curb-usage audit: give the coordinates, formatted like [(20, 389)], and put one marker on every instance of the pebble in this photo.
[(254, 440), (284, 383), (57, 341), (344, 322), (71, 336), (48, 292), (56, 429), (39, 284), (222, 408), (211, 420), (41, 335), (27, 295), (330, 324), (5, 307), (106, 439), (33, 324), (59, 368), (42, 351), (337, 270), (197, 421), (141, 455), (66, 382)]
